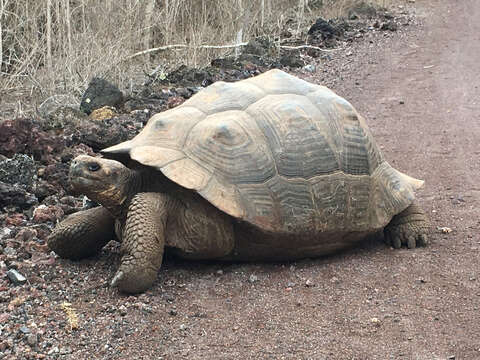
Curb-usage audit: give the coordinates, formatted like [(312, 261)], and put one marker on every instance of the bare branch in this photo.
[(183, 46), (286, 47)]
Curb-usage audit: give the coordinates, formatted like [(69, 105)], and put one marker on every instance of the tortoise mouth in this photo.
[(82, 185)]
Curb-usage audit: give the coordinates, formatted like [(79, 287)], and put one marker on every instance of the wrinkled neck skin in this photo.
[(115, 198)]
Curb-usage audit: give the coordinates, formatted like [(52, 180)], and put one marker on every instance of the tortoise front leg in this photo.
[(82, 234), (409, 228), (143, 242)]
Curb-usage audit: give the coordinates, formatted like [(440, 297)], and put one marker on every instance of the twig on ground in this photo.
[(286, 47), (185, 46)]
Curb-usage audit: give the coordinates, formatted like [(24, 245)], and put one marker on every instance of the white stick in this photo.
[(184, 46), (306, 47)]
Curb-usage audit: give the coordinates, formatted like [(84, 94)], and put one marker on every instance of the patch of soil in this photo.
[(418, 88)]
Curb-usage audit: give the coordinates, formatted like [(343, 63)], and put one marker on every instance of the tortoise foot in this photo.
[(409, 228), (132, 279), (82, 234)]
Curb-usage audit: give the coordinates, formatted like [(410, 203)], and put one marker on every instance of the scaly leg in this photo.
[(409, 228), (82, 234), (143, 242)]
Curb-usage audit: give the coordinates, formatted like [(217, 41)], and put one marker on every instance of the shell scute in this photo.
[(228, 143)]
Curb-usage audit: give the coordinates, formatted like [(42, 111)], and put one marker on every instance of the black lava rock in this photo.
[(100, 93), (323, 28), (20, 170), (16, 196)]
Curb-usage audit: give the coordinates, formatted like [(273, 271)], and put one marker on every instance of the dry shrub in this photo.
[(59, 45)]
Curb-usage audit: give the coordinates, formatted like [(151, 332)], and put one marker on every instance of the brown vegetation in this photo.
[(60, 44)]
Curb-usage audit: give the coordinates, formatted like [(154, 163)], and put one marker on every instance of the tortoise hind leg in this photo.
[(409, 228), (82, 234)]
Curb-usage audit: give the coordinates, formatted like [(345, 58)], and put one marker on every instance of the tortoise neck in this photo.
[(135, 181), (117, 199)]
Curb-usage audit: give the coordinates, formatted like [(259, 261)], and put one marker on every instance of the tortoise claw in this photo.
[(396, 242), (117, 278)]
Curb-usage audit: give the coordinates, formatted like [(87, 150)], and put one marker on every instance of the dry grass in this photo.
[(58, 45)]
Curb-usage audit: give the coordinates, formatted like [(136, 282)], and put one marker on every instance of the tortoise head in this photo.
[(102, 180)]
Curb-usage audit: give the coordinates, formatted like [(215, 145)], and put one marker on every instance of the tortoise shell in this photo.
[(278, 152)]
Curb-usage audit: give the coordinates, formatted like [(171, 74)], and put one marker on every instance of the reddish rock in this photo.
[(55, 178), (34, 247), (174, 101), (3, 346), (45, 213), (25, 136), (4, 317), (44, 188), (15, 219), (26, 235), (14, 136), (99, 134), (71, 152), (43, 232)]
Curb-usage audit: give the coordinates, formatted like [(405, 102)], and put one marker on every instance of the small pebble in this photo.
[(15, 277), (122, 309), (53, 350), (32, 339), (445, 229), (10, 251), (5, 232), (253, 278), (310, 68), (309, 283), (24, 330), (169, 298)]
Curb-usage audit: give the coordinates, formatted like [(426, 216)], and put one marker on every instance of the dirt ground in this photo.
[(419, 90)]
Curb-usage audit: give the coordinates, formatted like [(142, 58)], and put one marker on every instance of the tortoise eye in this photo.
[(93, 167)]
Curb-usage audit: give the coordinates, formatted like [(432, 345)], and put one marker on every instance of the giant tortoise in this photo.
[(267, 168)]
